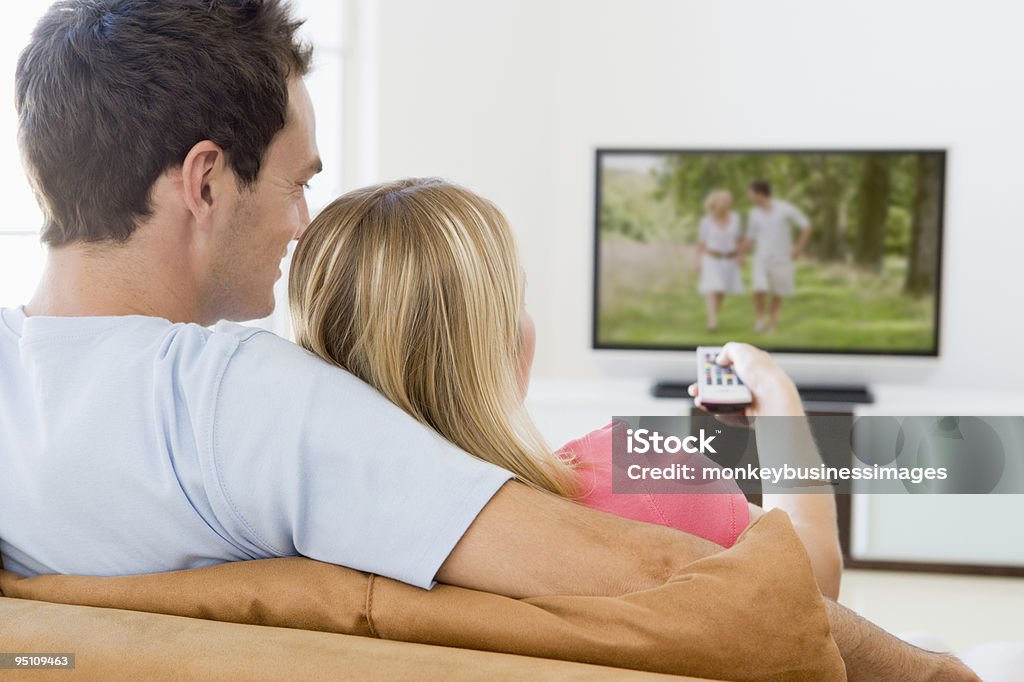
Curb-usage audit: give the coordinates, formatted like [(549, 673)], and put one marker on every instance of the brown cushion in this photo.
[(111, 644), (751, 612)]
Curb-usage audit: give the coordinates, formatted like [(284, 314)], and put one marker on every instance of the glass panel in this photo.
[(21, 263), (325, 90), (323, 19), (20, 212)]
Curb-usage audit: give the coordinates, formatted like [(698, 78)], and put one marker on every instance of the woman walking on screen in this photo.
[(718, 254)]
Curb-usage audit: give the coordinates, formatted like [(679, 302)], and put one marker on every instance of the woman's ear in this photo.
[(202, 174)]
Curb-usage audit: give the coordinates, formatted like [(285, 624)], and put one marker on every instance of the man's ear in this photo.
[(203, 173)]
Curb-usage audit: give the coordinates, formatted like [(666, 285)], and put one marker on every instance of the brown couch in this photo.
[(750, 612)]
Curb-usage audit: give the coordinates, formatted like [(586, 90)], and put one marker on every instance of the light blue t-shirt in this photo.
[(133, 445)]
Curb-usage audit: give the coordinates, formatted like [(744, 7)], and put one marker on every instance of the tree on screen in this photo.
[(924, 239), (830, 212), (874, 191)]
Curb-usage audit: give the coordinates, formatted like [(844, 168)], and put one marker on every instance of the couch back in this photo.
[(750, 612)]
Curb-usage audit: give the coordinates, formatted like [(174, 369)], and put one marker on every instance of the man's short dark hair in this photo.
[(762, 187), (112, 93)]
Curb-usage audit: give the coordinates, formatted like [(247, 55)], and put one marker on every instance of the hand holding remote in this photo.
[(773, 391)]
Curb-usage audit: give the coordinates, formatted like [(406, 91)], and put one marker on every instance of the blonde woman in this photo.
[(718, 253), (415, 287)]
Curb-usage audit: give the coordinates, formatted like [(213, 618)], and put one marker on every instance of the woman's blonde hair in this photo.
[(718, 202), (415, 287)]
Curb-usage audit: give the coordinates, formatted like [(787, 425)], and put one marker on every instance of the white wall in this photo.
[(512, 97)]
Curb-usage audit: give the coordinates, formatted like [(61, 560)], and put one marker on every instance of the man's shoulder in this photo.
[(261, 344), (201, 353), (258, 359), (234, 335), (240, 337), (793, 214)]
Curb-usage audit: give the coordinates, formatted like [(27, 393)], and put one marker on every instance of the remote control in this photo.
[(720, 388)]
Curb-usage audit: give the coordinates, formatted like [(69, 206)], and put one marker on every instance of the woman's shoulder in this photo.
[(596, 444), (716, 512)]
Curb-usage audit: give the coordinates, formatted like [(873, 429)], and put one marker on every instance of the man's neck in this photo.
[(93, 280)]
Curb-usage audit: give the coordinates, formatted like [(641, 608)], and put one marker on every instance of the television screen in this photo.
[(800, 251)]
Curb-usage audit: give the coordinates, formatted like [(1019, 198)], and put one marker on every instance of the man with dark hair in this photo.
[(769, 226), (761, 187), (170, 144), (124, 105)]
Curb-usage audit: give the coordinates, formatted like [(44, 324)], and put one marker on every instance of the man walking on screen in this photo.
[(770, 226)]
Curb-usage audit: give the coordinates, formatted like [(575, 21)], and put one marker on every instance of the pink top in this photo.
[(719, 517)]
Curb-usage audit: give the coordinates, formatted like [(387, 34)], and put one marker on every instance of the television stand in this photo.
[(832, 393)]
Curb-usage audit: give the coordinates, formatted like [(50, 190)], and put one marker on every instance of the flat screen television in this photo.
[(820, 252)]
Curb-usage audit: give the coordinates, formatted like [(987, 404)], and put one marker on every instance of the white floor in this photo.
[(963, 611)]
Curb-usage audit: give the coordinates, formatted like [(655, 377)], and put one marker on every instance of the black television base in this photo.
[(849, 394)]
